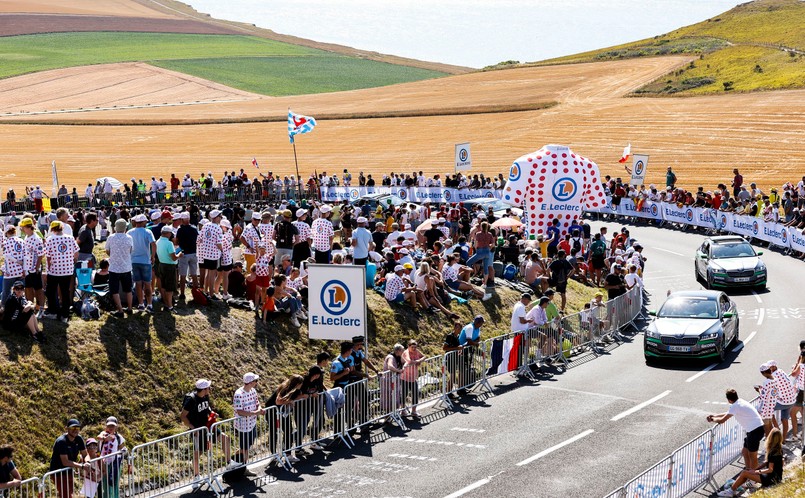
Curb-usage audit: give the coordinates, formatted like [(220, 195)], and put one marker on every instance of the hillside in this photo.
[(758, 45)]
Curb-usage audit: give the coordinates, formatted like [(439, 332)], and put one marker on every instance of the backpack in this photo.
[(199, 298), (284, 235), (509, 272), (89, 310), (576, 245), (599, 249)]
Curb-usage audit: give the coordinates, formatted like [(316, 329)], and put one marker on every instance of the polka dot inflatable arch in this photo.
[(553, 183)]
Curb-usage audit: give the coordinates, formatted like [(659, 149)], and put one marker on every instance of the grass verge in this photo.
[(138, 368)]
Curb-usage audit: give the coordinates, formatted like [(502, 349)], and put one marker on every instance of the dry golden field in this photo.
[(123, 8)]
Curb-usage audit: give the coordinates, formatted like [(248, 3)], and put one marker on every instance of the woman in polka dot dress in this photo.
[(222, 282)]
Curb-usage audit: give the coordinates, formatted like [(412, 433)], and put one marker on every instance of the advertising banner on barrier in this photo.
[(776, 234), (639, 166), (463, 157), (337, 301), (705, 217), (648, 209), (796, 239), (418, 195), (748, 226), (676, 214)]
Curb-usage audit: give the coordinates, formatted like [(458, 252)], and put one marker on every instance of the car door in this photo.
[(701, 264), (726, 305)]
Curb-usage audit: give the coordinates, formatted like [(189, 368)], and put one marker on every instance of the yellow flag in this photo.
[(45, 203)]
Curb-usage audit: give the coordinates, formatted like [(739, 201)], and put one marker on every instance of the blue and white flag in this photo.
[(298, 124)]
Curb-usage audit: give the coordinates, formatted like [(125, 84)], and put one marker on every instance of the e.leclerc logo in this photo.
[(723, 221), (402, 194), (784, 235), (447, 195), (462, 155), (638, 168), (755, 227), (689, 214), (514, 172), (564, 189), (336, 300), (354, 194), (654, 210)]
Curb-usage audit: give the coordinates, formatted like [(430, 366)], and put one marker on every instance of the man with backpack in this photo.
[(597, 257), (560, 271), (197, 413), (285, 232)]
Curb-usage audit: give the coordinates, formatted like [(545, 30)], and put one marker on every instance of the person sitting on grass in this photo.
[(101, 277), (269, 305), (20, 314), (396, 289), (768, 474), (451, 278)]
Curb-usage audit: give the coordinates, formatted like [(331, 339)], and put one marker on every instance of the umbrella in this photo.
[(425, 225), (116, 184), (507, 223)]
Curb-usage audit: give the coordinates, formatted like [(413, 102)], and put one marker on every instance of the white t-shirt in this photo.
[(632, 279), (517, 313), (120, 246), (746, 415)]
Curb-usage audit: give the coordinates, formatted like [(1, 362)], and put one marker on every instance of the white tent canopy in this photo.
[(116, 184)]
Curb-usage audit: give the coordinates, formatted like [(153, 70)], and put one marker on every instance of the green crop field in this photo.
[(279, 76), (755, 46), (245, 62)]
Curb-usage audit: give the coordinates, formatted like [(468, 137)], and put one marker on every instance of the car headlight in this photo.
[(760, 267), (709, 335), (652, 333)]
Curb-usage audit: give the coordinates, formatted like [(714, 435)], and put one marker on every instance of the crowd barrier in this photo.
[(417, 195), (776, 234), (693, 465), (200, 457)]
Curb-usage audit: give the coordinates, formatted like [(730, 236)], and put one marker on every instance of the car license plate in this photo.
[(742, 279), (679, 349)]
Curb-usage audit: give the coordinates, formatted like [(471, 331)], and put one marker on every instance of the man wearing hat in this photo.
[(322, 234), (396, 289), (250, 239), (361, 238), (61, 251), (20, 314), (66, 452), (469, 338), (119, 248), (614, 283), (285, 232), (301, 247), (187, 239), (246, 404), (210, 249), (168, 261), (33, 252), (143, 254)]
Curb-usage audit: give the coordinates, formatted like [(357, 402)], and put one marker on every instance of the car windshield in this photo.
[(689, 307), (737, 250)]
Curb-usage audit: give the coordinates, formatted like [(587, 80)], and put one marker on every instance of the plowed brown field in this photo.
[(127, 8), (28, 24), (703, 138), (106, 86)]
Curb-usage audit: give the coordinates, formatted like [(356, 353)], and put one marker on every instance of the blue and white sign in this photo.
[(337, 299)]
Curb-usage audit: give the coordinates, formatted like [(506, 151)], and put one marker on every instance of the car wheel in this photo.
[(737, 336), (722, 353), (709, 282)]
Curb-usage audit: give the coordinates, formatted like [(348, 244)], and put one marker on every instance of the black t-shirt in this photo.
[(379, 238), (777, 475), (432, 235), (511, 254), (285, 231), (560, 269), (187, 235), (451, 341), (5, 471), (237, 284), (63, 446), (198, 410), (86, 241), (613, 279)]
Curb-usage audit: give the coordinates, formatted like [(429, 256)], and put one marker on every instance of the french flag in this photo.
[(627, 151), (505, 355)]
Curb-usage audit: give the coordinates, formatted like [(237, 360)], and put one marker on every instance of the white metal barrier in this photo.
[(100, 476), (423, 383), (467, 370), (29, 488)]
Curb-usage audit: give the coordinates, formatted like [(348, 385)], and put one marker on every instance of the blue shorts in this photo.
[(141, 272), (399, 299), (453, 284), (785, 410)]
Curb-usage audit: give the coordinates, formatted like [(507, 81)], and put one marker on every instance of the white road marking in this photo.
[(413, 457), (760, 315), (696, 376), (658, 277), (621, 398), (465, 429), (639, 407), (556, 447), (744, 342), (463, 491), (757, 296), (670, 252), (438, 443)]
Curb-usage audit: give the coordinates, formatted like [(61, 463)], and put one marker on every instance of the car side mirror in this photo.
[(703, 256), (652, 313), (728, 314), (760, 253)]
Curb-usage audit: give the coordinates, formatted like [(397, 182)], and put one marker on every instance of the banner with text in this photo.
[(337, 301), (463, 157), (639, 165), (418, 195)]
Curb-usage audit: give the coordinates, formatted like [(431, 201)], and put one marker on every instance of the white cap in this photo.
[(398, 268), (301, 212), (225, 223), (214, 214), (764, 366), (167, 229), (140, 218), (203, 221), (771, 363), (362, 219), (203, 384), (250, 377), (155, 215), (325, 209), (403, 251), (407, 226), (185, 216), (441, 220)]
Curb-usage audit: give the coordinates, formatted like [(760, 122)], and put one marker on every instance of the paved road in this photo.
[(577, 434)]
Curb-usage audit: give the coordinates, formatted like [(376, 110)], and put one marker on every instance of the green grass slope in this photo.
[(758, 45), (244, 62), (138, 368)]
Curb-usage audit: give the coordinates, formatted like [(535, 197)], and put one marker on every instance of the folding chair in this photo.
[(84, 287)]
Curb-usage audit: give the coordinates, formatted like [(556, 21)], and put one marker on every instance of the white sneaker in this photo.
[(486, 297), (726, 492), (65, 320), (301, 314), (295, 321), (226, 296), (196, 483)]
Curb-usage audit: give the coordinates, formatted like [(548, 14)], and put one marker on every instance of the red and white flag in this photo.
[(627, 151), (254, 162)]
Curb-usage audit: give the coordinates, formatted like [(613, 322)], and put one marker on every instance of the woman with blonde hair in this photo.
[(768, 474)]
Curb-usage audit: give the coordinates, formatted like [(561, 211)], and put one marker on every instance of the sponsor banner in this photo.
[(775, 234), (463, 157), (648, 209), (675, 214), (337, 302), (413, 194), (748, 226), (639, 165), (705, 217), (796, 239)]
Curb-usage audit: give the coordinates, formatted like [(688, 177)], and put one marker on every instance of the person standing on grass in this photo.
[(61, 251), (111, 442), (749, 419), (13, 261), (246, 404), (66, 452), (322, 233), (34, 252), (250, 239), (222, 282), (560, 271), (168, 260), (187, 238), (119, 247), (786, 395), (143, 254), (209, 249)]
